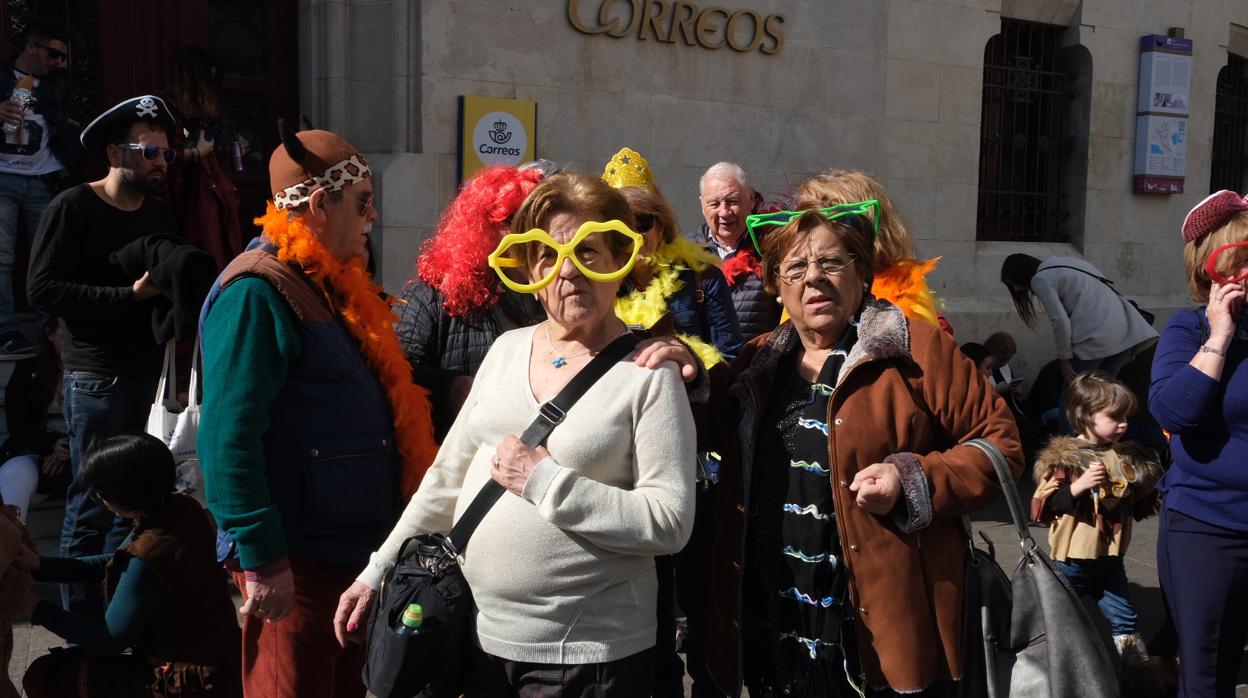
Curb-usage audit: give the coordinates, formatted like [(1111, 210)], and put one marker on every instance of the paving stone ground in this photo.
[(31, 643)]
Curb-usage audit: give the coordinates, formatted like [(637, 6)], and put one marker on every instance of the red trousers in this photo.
[(298, 656)]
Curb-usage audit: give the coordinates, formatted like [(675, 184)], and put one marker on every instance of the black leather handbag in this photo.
[(432, 661), (1027, 636)]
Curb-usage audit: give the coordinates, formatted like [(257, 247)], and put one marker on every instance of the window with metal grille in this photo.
[(1021, 135), (1230, 127)]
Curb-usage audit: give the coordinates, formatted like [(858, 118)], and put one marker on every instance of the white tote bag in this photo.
[(178, 426)]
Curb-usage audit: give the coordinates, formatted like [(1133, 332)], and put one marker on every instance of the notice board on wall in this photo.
[(1165, 90)]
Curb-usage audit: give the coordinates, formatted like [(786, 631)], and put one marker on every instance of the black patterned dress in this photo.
[(798, 630)]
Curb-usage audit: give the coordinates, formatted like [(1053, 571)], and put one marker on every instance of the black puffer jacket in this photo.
[(441, 347), (757, 311)]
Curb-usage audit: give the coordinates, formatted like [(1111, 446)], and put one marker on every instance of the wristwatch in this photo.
[(1205, 348)]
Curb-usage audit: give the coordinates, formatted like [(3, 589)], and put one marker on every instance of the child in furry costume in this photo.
[(1089, 489)]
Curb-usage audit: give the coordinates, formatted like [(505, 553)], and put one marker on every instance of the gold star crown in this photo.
[(628, 169)]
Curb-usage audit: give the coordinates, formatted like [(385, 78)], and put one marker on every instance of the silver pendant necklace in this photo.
[(561, 360)]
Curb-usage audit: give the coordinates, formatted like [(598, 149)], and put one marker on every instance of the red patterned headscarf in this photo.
[(1212, 213)]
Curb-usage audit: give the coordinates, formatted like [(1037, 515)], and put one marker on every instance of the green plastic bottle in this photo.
[(413, 618)]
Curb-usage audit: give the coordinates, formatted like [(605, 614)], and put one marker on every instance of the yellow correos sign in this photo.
[(669, 20), (494, 131)]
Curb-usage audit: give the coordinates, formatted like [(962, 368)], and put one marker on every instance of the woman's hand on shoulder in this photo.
[(878, 486), (1224, 306), (514, 462), (651, 353)]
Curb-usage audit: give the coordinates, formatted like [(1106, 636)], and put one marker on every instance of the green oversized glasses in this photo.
[(760, 223), (591, 251)]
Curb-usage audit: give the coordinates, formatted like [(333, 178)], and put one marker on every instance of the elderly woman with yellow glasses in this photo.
[(562, 567), (837, 565)]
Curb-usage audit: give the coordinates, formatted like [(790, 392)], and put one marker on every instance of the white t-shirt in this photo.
[(26, 152)]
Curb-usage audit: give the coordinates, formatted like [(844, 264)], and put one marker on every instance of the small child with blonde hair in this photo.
[(1090, 488)]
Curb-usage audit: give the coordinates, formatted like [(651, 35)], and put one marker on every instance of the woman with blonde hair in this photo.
[(1200, 395), (900, 276)]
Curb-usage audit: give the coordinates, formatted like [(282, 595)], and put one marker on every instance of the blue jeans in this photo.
[(96, 407), (1105, 580), (1110, 364), (19, 195)]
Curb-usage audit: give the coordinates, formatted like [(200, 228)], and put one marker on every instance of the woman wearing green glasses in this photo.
[(838, 561), (562, 567)]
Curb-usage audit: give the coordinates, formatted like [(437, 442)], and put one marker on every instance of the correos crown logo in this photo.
[(499, 139)]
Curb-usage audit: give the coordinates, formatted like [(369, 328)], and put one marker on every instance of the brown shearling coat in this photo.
[(907, 395)]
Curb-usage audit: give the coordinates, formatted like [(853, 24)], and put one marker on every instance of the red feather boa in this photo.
[(358, 301), (743, 263)]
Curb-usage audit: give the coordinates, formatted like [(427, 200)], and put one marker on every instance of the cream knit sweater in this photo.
[(564, 574)]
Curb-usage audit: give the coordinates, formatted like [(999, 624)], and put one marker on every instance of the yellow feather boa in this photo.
[(647, 306)]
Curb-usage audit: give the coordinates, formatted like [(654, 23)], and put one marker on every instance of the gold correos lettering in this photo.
[(686, 23), (574, 16), (710, 28), (730, 33), (772, 28), (605, 11), (649, 20), (705, 28)]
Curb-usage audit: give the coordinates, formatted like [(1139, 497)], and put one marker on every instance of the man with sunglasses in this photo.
[(38, 143), (312, 428), (110, 353)]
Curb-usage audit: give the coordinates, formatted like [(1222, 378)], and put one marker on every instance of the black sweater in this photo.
[(106, 331)]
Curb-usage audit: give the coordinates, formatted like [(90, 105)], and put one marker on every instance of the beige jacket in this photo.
[(1100, 524)]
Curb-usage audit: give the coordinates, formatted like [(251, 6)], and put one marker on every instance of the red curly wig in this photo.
[(453, 261)]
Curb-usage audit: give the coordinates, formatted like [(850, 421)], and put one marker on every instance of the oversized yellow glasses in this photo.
[(591, 250)]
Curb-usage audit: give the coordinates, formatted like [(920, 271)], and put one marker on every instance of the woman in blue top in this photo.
[(1199, 394)]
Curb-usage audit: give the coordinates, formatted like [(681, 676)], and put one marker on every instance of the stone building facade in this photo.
[(892, 87)]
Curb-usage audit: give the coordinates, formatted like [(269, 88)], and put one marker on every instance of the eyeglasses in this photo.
[(850, 214), (54, 53), (590, 250), (1233, 263), (645, 221), (151, 152), (363, 206), (794, 271)]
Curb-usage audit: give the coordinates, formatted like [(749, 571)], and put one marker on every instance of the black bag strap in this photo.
[(1101, 279), (1008, 489), (549, 415)]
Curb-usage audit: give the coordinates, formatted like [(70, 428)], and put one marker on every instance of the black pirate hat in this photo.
[(144, 108)]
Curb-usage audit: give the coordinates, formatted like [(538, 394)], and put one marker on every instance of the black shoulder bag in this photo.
[(432, 661)]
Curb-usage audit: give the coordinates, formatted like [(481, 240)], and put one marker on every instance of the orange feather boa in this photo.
[(905, 286), (358, 301)]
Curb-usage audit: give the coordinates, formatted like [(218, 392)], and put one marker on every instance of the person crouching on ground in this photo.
[(167, 597), (1089, 489)]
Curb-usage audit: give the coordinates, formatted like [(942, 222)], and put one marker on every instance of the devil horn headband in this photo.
[(294, 147)]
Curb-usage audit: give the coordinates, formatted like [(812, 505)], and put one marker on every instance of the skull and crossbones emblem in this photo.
[(147, 107)]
